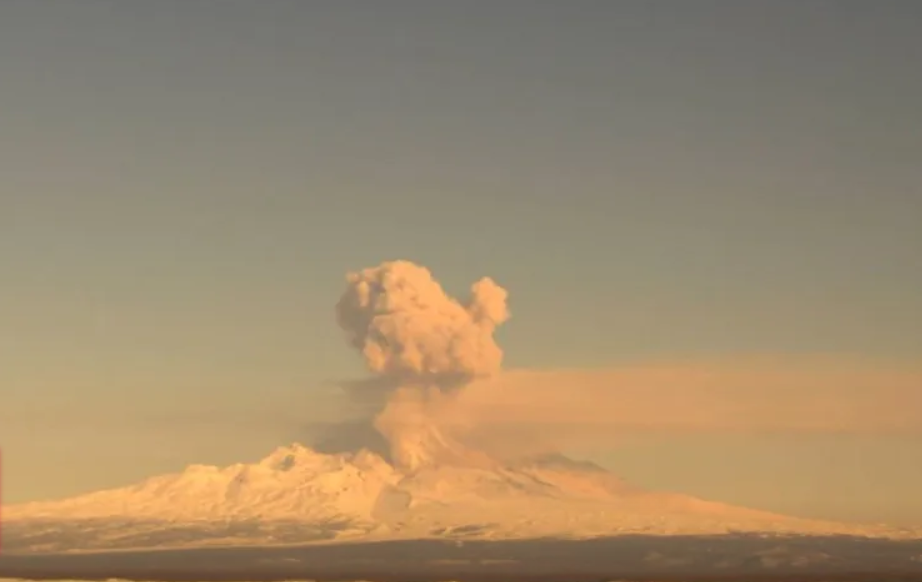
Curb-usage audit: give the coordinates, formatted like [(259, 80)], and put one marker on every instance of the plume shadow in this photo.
[(365, 399), (351, 436)]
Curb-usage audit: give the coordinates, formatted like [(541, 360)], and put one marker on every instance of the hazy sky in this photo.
[(186, 183)]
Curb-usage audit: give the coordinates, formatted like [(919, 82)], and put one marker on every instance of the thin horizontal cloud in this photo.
[(534, 409)]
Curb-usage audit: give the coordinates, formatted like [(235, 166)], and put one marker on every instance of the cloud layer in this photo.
[(518, 412)]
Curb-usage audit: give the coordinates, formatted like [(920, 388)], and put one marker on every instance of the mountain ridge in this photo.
[(298, 495)]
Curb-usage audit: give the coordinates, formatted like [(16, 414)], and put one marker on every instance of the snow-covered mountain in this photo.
[(297, 495), (290, 483)]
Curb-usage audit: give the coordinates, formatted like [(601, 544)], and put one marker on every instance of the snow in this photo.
[(296, 494), (292, 482)]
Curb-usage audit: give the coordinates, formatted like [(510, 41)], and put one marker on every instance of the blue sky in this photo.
[(185, 185)]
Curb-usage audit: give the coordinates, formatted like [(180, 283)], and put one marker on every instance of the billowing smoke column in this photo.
[(409, 330)]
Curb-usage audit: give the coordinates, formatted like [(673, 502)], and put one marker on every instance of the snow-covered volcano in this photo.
[(297, 495)]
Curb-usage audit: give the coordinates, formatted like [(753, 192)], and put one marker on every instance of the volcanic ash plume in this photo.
[(411, 332), (406, 326)]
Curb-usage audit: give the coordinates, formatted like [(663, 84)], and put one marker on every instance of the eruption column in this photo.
[(427, 343)]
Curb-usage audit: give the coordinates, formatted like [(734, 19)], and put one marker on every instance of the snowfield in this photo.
[(296, 496)]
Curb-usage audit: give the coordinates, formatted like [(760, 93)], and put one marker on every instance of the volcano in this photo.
[(427, 351), (296, 495)]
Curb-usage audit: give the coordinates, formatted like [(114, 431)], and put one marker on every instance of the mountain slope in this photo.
[(296, 495), (291, 483)]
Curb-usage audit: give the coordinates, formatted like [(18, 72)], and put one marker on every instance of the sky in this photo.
[(185, 185)]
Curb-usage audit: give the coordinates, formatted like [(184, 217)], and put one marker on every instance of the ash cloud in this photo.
[(439, 395), (422, 345), (407, 328), (525, 412)]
